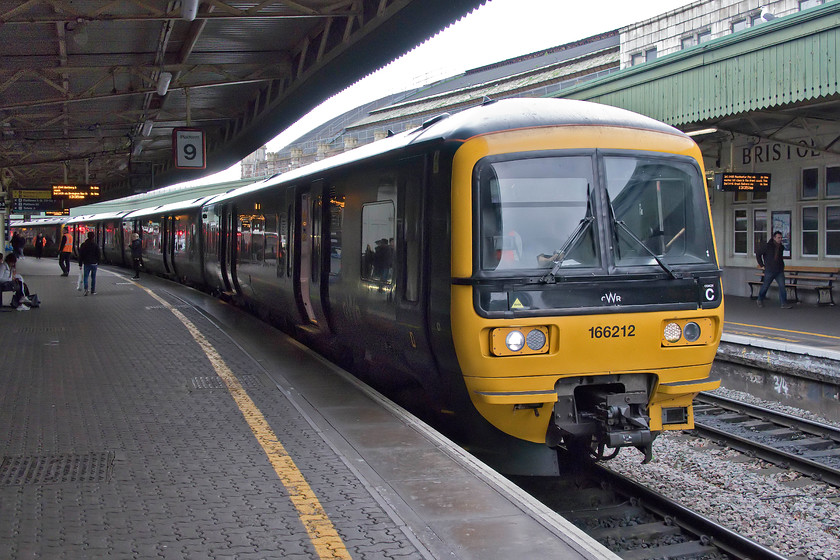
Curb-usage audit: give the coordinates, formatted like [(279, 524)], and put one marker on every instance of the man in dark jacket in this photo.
[(771, 259), (89, 258)]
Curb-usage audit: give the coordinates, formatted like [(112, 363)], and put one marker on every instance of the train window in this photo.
[(282, 240), (534, 210), (336, 221), (657, 201), (378, 242)]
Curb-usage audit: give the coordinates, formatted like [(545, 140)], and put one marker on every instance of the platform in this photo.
[(806, 329), (152, 421)]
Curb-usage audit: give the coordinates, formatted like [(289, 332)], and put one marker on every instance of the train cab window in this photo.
[(535, 213), (657, 211), (378, 243)]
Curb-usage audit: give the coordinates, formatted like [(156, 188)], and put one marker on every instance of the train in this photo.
[(537, 276)]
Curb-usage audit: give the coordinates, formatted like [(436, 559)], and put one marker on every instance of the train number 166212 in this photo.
[(612, 331)]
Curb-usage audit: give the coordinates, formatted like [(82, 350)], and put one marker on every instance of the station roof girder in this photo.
[(79, 78)]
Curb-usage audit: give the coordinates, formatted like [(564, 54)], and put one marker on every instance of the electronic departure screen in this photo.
[(75, 192), (747, 182)]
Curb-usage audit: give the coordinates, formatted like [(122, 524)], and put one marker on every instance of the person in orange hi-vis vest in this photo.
[(65, 250)]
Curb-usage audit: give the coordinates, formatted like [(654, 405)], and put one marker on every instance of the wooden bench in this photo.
[(819, 279)]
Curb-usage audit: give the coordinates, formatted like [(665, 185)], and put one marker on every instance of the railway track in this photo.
[(786, 441), (638, 523)]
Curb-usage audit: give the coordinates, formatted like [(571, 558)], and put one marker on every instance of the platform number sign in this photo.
[(188, 148)]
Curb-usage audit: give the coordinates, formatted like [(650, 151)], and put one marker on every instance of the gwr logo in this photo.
[(611, 298)]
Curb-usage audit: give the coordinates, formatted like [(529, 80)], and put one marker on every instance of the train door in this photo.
[(303, 250), (410, 270), (239, 235), (311, 248), (166, 243), (225, 245)]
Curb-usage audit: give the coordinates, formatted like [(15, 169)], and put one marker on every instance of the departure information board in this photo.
[(75, 192), (745, 182)]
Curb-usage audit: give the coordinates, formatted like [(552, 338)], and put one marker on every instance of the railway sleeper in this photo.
[(600, 412)]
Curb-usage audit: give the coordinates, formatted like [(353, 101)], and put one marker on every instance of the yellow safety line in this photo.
[(782, 330), (322, 533)]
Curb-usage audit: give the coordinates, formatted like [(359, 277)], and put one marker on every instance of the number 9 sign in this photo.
[(188, 148)]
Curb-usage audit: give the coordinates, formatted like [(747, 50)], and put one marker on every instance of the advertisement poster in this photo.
[(781, 222)]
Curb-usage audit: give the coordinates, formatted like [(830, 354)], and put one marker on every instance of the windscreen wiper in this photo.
[(572, 242), (641, 244)]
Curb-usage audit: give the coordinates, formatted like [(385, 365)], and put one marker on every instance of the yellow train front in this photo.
[(586, 301)]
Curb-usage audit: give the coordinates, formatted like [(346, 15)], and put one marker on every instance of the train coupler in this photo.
[(603, 419)]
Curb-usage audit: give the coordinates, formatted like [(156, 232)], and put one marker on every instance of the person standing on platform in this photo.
[(136, 247), (65, 251), (89, 258), (40, 241), (771, 259)]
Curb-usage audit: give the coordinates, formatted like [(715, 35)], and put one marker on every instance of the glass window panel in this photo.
[(378, 241), (533, 208), (810, 230), (832, 181), (810, 243), (810, 183), (760, 233), (740, 237), (832, 230), (657, 201)]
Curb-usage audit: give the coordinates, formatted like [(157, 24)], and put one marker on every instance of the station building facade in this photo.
[(756, 84)]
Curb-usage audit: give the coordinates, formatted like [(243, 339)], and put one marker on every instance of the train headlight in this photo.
[(691, 331), (519, 341), (514, 341), (688, 332), (672, 332)]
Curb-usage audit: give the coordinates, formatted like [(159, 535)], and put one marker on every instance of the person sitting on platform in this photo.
[(11, 281)]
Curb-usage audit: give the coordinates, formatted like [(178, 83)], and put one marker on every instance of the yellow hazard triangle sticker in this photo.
[(517, 304)]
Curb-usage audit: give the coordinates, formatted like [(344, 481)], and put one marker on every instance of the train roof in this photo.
[(171, 207), (493, 116), (41, 221), (96, 217)]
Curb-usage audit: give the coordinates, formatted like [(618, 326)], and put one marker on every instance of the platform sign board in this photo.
[(743, 182), (76, 193), (188, 148), (30, 201)]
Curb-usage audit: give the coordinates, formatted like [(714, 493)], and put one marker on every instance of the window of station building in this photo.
[(703, 36), (739, 25), (832, 181), (687, 42), (759, 196), (805, 4), (810, 183), (637, 58), (760, 233), (810, 231), (832, 231), (650, 54), (741, 232)]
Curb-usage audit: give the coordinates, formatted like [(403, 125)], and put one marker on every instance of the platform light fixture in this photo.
[(189, 9), (163, 83), (147, 127), (702, 131)]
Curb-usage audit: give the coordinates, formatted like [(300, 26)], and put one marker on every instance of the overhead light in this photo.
[(702, 131), (163, 83), (189, 9), (147, 127), (138, 147)]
